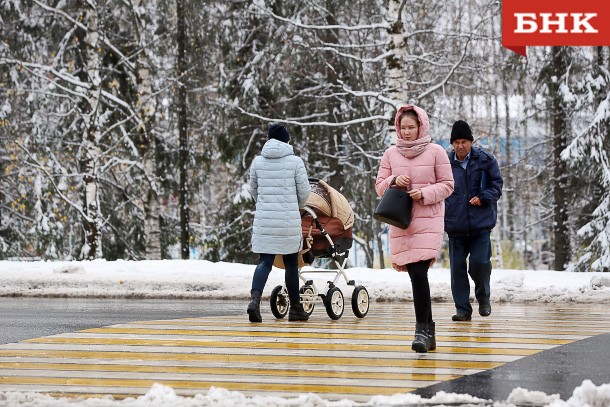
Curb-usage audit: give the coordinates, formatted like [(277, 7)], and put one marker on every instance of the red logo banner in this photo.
[(554, 23)]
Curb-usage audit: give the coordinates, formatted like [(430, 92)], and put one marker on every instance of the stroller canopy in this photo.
[(330, 202)]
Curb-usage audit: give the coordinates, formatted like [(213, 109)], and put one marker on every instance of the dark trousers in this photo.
[(421, 290), (291, 263), (478, 247)]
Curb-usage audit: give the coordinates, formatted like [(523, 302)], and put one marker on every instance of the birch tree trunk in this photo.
[(394, 62), (336, 141), (92, 248), (146, 108), (394, 77)]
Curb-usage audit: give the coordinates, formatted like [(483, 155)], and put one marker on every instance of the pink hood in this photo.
[(424, 121)]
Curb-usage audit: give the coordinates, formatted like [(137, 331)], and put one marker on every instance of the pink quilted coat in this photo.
[(430, 171)]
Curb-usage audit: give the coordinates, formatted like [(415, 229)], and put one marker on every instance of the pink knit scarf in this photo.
[(411, 149)]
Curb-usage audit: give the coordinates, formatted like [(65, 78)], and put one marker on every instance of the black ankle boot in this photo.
[(432, 335), (421, 342), (297, 313), (254, 308)]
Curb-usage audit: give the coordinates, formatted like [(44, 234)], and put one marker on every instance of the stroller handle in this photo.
[(310, 211)]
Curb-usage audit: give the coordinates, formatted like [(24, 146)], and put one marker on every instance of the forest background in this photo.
[(127, 127)]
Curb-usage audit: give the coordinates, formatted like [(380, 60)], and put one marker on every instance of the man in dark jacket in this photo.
[(470, 215)]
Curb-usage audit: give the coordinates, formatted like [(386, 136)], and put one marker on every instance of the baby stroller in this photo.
[(326, 222)]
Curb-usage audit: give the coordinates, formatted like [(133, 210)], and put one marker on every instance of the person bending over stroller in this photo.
[(280, 187), (422, 168)]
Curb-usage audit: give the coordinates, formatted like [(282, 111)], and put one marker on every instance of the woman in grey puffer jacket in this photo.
[(279, 185)]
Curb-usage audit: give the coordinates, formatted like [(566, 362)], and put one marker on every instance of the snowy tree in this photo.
[(90, 121), (589, 155), (130, 126), (321, 75), (35, 221), (145, 14)]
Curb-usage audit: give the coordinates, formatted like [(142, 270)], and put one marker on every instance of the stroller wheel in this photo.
[(360, 301), (334, 303), (279, 302), (307, 298)]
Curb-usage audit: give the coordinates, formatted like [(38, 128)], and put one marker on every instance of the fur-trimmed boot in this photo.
[(421, 342), (254, 308)]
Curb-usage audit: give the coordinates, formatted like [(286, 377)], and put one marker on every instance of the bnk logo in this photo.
[(554, 23)]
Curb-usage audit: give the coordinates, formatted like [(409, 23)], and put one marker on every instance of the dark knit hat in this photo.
[(460, 130), (279, 132)]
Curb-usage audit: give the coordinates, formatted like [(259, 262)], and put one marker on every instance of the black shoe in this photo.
[(484, 310), (461, 317), (297, 313), (254, 308)]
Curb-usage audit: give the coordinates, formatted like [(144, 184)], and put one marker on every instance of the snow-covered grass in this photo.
[(203, 279)]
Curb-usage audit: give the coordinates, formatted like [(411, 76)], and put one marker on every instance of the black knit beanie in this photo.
[(279, 132), (460, 130)]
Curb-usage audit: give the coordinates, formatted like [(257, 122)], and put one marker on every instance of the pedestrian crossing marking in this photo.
[(268, 345), (226, 371), (349, 358), (194, 384), (233, 358), (328, 336), (464, 327)]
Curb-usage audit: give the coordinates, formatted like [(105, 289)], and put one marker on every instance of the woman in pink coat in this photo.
[(422, 168)]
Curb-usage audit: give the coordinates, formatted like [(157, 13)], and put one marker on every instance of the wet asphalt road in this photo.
[(555, 371), (25, 318)]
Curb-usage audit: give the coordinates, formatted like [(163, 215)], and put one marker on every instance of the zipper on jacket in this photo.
[(467, 189)]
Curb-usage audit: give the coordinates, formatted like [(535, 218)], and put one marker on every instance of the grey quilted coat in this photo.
[(279, 185)]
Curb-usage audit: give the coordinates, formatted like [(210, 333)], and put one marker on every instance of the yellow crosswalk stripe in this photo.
[(226, 371), (325, 335), (305, 360), (184, 384), (481, 327), (269, 345), (553, 327)]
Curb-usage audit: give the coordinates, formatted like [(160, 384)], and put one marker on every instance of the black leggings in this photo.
[(421, 290)]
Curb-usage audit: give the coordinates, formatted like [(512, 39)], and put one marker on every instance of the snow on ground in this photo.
[(203, 279), (585, 395)]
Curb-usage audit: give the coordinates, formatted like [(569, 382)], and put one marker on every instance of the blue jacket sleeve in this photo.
[(491, 188)]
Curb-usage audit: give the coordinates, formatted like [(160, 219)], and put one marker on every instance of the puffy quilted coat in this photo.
[(481, 178), (431, 172), (279, 185)]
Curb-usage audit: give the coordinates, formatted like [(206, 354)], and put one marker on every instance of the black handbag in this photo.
[(395, 207)]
